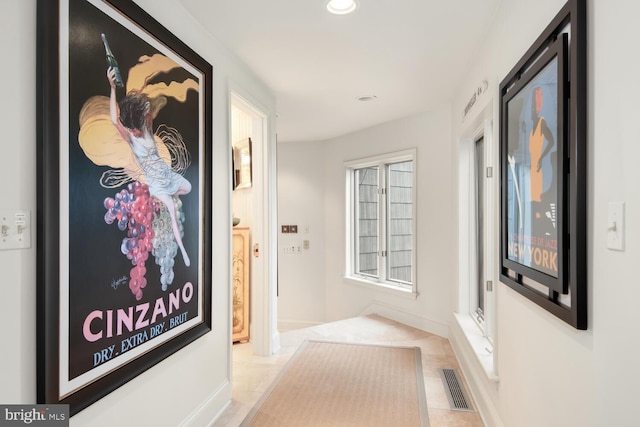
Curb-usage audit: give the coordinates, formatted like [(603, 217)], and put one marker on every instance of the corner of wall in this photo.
[(407, 318)]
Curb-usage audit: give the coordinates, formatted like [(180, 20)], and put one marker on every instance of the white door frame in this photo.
[(263, 289)]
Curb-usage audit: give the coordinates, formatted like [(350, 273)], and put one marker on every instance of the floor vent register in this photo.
[(458, 399)]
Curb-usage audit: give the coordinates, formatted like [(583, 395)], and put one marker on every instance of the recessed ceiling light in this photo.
[(366, 98), (341, 7)]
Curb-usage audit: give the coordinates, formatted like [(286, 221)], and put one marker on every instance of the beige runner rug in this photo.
[(339, 384)]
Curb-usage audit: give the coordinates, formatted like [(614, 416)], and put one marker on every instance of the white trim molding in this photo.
[(401, 316), (470, 349), (212, 408)]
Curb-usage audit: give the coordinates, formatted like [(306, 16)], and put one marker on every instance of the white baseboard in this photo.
[(207, 412), (290, 325), (275, 342), (409, 319), (477, 378)]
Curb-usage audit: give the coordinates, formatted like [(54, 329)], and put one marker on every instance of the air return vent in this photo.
[(458, 400)]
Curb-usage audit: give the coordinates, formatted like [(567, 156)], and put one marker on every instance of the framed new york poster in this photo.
[(534, 138), (543, 169), (124, 197)]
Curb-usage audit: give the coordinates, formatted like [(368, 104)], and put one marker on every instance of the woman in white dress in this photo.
[(133, 119)]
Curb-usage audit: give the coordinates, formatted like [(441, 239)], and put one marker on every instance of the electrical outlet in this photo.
[(292, 249)]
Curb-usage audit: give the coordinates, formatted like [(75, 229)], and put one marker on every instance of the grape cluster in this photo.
[(134, 210), (165, 247)]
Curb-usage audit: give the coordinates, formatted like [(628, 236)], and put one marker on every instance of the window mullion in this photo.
[(355, 223), (383, 254)]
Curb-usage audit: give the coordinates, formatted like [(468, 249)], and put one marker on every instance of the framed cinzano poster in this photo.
[(543, 175), (124, 197)]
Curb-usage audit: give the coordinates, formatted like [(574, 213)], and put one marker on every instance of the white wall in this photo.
[(191, 386), (315, 291), (311, 182), (430, 134), (551, 374), (301, 201), (614, 145), (17, 306)]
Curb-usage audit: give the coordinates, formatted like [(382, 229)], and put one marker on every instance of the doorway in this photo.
[(254, 203)]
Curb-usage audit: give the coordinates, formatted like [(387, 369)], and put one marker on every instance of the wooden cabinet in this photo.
[(240, 284)]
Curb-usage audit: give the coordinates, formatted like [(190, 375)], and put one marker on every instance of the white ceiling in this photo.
[(411, 54)]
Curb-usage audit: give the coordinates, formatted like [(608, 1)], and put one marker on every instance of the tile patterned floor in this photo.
[(252, 375)]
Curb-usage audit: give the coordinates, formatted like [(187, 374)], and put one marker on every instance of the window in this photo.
[(477, 237), (479, 197), (381, 244), (477, 225)]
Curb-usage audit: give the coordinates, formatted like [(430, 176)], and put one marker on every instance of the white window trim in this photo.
[(381, 286), (479, 335), (487, 322), (350, 275)]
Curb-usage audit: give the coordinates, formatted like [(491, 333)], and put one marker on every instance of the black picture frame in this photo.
[(106, 311), (543, 169)]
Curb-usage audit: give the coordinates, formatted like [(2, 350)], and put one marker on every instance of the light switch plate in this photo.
[(615, 226), (15, 229)]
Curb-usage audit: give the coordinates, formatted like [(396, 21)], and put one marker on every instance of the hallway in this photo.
[(252, 375)]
